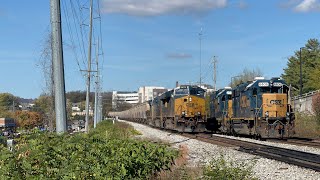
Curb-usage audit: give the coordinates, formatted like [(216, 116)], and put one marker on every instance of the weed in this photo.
[(306, 126), (224, 169)]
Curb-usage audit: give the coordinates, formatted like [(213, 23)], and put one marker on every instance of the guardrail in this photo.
[(306, 95)]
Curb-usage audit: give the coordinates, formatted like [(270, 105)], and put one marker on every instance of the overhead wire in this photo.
[(208, 71), (73, 46), (77, 21), (81, 22)]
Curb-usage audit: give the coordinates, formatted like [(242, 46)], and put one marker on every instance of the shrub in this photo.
[(228, 170), (316, 106), (306, 126), (105, 153)]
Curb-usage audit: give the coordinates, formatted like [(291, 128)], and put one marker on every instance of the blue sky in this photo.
[(156, 42)]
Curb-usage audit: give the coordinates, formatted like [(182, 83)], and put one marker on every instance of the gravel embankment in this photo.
[(201, 152)]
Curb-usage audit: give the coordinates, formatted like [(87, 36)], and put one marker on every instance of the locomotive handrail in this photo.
[(257, 112)]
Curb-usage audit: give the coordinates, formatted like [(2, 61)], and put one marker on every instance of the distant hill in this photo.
[(23, 100)]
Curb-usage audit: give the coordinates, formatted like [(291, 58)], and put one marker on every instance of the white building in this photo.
[(147, 93), (124, 97)]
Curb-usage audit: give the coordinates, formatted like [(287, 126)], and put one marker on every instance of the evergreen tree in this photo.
[(310, 58)]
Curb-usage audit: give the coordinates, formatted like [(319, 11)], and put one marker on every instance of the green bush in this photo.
[(223, 169), (105, 153), (307, 126), (3, 140)]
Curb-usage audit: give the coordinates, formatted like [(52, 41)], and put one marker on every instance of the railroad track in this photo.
[(298, 158), (302, 159), (298, 142)]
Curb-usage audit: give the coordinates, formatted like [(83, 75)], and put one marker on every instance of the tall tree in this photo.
[(310, 58), (46, 100), (43, 105), (7, 99), (244, 76)]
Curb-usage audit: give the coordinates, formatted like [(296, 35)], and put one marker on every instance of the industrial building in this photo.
[(147, 93), (119, 97)]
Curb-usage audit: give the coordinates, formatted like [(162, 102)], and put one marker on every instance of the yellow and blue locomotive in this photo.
[(181, 109), (260, 108)]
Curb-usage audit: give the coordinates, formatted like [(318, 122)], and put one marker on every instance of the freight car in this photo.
[(260, 108), (181, 109)]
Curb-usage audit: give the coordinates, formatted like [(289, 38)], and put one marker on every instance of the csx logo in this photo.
[(276, 102)]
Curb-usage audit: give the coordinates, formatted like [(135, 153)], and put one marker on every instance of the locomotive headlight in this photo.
[(190, 99), (199, 113), (183, 113), (288, 116), (267, 114)]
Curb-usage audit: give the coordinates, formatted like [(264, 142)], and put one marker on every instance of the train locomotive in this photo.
[(259, 108), (181, 109)]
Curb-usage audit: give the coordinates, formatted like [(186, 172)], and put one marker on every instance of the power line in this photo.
[(66, 15), (77, 18)]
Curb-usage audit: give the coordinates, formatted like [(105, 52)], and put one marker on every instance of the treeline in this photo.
[(42, 113), (78, 96)]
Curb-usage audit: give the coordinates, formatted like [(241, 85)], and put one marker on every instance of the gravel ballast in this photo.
[(201, 153), (281, 145)]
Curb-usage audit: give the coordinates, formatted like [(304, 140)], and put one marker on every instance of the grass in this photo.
[(220, 168), (224, 169), (307, 126), (180, 170)]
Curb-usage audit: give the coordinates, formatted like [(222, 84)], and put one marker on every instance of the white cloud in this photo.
[(307, 6), (160, 7)]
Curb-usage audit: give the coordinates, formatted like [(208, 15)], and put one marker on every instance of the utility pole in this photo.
[(200, 36), (215, 73), (97, 87), (300, 71), (13, 108), (89, 72), (58, 67), (99, 104)]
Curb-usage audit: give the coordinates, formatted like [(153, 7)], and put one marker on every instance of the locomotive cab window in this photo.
[(181, 92), (223, 98), (275, 90), (283, 89), (254, 91), (265, 90), (229, 97), (200, 93), (196, 91)]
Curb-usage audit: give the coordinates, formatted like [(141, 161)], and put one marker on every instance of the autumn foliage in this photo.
[(28, 120)]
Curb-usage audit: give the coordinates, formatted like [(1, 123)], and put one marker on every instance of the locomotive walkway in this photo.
[(302, 159)]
